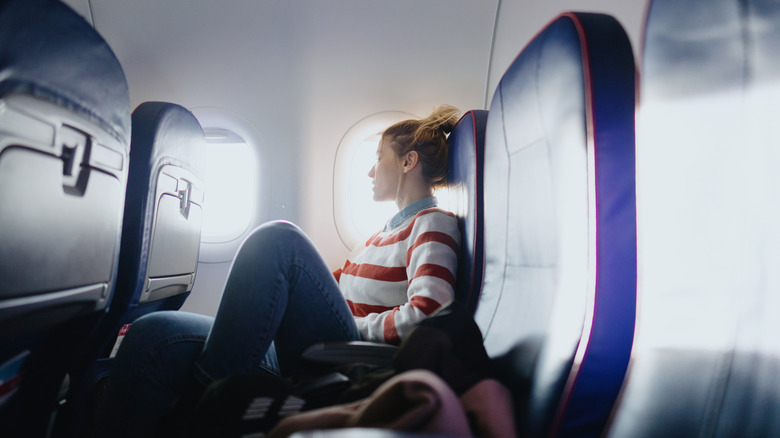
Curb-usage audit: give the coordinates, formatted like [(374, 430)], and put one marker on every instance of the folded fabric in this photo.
[(488, 406), (417, 400)]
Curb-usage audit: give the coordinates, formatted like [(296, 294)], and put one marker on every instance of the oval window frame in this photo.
[(366, 127)]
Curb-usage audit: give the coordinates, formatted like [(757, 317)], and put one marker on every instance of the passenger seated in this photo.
[(280, 297)]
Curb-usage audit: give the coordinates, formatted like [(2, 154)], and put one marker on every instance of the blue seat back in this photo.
[(464, 181), (64, 144), (707, 360), (160, 237), (558, 300), (164, 211)]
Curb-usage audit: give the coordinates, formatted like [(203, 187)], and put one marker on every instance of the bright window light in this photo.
[(230, 186)]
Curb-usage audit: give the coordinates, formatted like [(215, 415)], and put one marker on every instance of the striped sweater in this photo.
[(402, 275)]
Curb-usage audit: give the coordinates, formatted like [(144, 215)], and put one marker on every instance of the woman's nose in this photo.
[(371, 172)]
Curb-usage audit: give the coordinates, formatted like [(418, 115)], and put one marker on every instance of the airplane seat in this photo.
[(464, 182), (706, 359), (163, 213), (64, 144), (559, 293), (558, 300), (160, 236)]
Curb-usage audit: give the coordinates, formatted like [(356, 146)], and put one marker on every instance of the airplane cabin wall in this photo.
[(303, 72)]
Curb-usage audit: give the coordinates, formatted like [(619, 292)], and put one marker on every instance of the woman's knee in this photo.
[(154, 329), (273, 238), (279, 231)]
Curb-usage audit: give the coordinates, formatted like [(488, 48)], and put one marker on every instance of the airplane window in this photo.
[(356, 213), (230, 183), (235, 181)]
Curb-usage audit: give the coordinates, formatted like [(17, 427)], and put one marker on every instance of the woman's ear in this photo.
[(410, 160)]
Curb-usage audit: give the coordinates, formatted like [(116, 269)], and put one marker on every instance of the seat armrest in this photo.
[(342, 353)]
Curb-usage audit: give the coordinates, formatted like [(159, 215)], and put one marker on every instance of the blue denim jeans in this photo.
[(280, 298)]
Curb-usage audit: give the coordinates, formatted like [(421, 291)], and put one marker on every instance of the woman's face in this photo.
[(386, 173)]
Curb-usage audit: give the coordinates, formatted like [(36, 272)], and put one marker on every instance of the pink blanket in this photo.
[(418, 401)]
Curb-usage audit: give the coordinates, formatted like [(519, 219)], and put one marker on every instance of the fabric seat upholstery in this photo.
[(64, 144), (464, 180), (558, 300), (706, 355)]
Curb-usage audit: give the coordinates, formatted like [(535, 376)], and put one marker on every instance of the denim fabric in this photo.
[(409, 211), (280, 298)]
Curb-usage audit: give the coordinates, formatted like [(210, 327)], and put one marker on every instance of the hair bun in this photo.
[(443, 118)]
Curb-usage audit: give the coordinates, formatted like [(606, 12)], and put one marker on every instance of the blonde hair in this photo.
[(427, 137)]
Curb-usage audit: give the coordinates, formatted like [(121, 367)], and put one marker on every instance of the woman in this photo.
[(281, 298)]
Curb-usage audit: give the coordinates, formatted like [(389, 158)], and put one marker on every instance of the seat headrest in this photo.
[(167, 130), (51, 53)]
